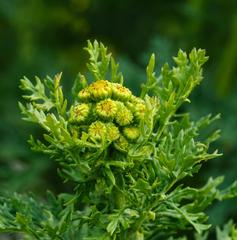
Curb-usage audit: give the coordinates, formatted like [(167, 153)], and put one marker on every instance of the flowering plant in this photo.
[(125, 155)]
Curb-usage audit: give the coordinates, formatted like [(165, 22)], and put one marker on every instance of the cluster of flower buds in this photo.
[(109, 112)]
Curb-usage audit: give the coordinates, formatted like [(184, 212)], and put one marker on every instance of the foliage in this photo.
[(50, 39), (126, 171), (228, 232), (204, 100)]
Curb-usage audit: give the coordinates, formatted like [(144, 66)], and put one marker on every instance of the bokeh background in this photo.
[(44, 37)]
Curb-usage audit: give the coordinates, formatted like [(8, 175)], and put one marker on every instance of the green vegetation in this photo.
[(126, 173), (46, 37)]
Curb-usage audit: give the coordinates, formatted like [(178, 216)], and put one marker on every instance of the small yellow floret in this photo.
[(106, 109), (121, 144), (120, 92), (84, 95), (131, 133), (124, 116), (97, 130), (100, 89), (79, 113), (137, 106), (112, 132)]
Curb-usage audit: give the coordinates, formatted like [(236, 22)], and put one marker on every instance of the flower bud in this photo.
[(97, 130), (121, 144), (79, 113), (123, 116), (106, 109), (74, 131), (120, 92), (136, 100), (100, 89), (137, 106), (131, 133), (84, 95), (151, 215), (112, 132), (130, 106), (139, 111)]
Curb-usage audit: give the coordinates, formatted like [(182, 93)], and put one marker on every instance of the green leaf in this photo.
[(112, 226), (151, 79), (99, 59), (229, 232), (110, 175)]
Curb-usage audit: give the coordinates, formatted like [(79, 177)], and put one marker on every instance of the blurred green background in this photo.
[(44, 37)]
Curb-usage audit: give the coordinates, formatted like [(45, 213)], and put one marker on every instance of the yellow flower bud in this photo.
[(121, 144), (138, 107), (136, 100), (112, 132), (139, 111), (79, 113), (131, 133), (123, 116), (97, 130), (120, 92), (100, 89), (84, 95), (106, 109)]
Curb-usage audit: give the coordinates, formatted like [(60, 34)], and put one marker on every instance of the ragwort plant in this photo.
[(125, 155)]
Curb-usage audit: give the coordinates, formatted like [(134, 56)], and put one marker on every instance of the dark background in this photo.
[(44, 37)]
